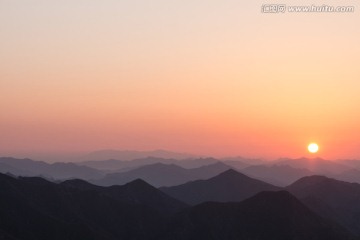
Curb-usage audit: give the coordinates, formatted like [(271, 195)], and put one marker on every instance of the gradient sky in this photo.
[(200, 76)]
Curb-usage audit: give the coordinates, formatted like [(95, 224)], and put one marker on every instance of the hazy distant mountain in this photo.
[(350, 163), (316, 165), (280, 175), (236, 164), (71, 170), (160, 174), (330, 198), (248, 161), (228, 186), (28, 167), (5, 168), (127, 155), (110, 164), (351, 176), (33, 208), (120, 165), (266, 216), (196, 163)]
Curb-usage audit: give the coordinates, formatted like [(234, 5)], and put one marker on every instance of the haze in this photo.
[(205, 77)]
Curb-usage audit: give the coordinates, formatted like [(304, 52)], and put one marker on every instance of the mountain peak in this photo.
[(139, 184), (230, 173), (315, 179), (228, 186), (278, 214)]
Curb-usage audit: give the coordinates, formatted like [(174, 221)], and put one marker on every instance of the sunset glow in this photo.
[(207, 77)]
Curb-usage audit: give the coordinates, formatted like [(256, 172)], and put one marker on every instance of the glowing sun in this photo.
[(313, 148)]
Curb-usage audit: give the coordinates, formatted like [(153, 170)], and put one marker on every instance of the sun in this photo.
[(313, 148)]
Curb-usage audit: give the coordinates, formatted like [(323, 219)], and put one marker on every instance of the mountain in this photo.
[(33, 208), (330, 198), (126, 155), (120, 165), (248, 161), (316, 165), (196, 162), (351, 163), (110, 164), (265, 216), (28, 167), (136, 192), (71, 170), (280, 175), (160, 174), (228, 186), (6, 168), (352, 175), (236, 164)]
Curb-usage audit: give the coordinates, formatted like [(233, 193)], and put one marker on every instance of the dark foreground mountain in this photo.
[(33, 208), (330, 198), (229, 186), (159, 174), (266, 216)]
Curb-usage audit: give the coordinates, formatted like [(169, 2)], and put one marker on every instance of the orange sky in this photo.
[(207, 77)]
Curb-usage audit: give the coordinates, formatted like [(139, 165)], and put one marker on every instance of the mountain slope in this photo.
[(266, 216), (33, 208), (226, 187), (135, 192), (352, 175), (331, 198)]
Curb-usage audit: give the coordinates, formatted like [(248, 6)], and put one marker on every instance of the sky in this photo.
[(206, 77)]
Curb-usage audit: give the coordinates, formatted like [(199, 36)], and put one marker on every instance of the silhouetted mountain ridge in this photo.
[(228, 186), (267, 215), (34, 208), (330, 198)]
